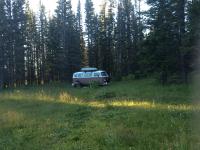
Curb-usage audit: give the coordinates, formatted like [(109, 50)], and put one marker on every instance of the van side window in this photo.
[(104, 74), (80, 75), (96, 74), (88, 75), (75, 75)]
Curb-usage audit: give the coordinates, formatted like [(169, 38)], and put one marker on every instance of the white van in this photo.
[(89, 75)]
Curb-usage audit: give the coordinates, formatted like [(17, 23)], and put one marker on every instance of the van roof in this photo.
[(98, 71), (88, 69)]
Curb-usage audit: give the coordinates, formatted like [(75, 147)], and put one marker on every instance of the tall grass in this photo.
[(128, 115)]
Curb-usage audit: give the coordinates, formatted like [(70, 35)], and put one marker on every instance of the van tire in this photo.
[(105, 83), (77, 85)]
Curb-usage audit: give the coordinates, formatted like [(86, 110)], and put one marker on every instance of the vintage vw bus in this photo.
[(90, 75)]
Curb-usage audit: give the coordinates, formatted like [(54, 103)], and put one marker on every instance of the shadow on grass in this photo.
[(124, 115), (76, 124)]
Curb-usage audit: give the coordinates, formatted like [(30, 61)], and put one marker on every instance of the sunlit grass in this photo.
[(137, 104), (67, 98), (125, 115)]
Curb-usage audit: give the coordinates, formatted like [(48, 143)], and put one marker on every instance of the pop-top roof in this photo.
[(88, 69)]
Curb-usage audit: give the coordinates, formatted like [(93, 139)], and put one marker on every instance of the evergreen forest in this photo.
[(38, 48)]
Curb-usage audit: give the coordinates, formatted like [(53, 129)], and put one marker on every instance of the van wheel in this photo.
[(78, 85), (105, 83)]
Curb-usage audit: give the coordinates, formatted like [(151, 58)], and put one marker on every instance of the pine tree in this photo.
[(140, 65), (180, 14), (120, 52), (19, 22), (166, 19), (42, 27), (102, 48), (37, 49), (124, 39), (53, 48), (31, 45), (9, 51), (73, 39), (61, 58), (68, 55), (128, 11), (110, 41), (193, 21), (136, 39), (106, 37), (84, 54), (2, 41), (91, 23), (191, 41)]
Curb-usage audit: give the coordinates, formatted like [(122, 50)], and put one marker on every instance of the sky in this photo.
[(50, 5)]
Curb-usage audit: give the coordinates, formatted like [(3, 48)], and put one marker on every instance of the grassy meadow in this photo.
[(126, 115)]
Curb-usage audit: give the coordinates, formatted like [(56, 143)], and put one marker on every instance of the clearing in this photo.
[(125, 115)]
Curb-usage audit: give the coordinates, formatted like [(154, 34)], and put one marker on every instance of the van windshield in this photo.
[(104, 74)]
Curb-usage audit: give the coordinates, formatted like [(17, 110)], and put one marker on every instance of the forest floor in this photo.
[(126, 115)]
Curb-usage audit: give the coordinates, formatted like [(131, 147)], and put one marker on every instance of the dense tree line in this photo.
[(121, 39)]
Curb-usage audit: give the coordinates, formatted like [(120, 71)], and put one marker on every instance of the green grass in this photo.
[(126, 115)]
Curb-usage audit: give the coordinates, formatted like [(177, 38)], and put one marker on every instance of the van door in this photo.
[(87, 78), (96, 77)]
